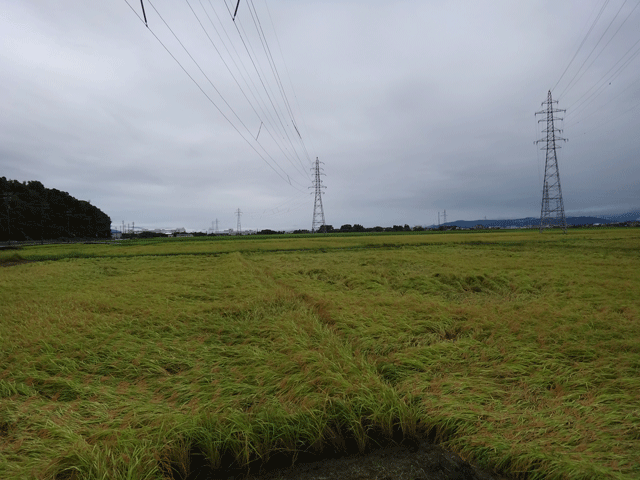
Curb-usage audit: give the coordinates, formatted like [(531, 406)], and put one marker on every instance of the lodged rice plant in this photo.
[(137, 360)]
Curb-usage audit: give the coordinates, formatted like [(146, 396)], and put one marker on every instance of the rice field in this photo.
[(517, 350)]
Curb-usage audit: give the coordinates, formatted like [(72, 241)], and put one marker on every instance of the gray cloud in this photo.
[(415, 107)]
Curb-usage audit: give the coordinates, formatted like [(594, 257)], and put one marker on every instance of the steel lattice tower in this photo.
[(239, 229), (318, 211), (552, 211)]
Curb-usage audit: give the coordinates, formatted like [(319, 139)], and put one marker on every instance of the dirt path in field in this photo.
[(421, 462)]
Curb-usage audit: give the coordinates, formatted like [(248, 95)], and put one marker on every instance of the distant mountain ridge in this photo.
[(624, 217), (535, 221)]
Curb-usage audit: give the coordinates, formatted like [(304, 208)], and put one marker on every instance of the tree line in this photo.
[(348, 228), (29, 211)]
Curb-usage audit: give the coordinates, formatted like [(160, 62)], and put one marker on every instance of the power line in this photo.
[(610, 119), (208, 79), (274, 70), (582, 43), (204, 93), (288, 206), (570, 84), (589, 95), (604, 81), (260, 77), (274, 67), (608, 42), (238, 84), (258, 99), (275, 33)]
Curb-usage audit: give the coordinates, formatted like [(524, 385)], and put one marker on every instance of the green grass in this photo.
[(518, 350)]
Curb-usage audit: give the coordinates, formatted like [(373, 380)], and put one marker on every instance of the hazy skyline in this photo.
[(414, 108)]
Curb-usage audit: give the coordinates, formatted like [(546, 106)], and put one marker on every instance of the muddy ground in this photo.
[(422, 461)]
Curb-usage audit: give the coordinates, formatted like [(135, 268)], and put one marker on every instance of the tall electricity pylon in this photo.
[(239, 230), (552, 211), (318, 211)]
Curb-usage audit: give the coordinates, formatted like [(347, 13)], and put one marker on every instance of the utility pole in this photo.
[(552, 210), (239, 229), (438, 218), (318, 210)]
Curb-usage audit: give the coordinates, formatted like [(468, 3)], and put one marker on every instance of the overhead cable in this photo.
[(274, 70), (260, 77), (582, 43), (275, 33), (205, 93), (237, 83), (259, 99), (572, 82)]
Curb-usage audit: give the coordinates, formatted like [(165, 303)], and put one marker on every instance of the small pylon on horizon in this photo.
[(318, 211), (239, 227)]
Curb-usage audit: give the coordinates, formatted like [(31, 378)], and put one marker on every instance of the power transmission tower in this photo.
[(552, 210), (217, 226), (445, 217), (318, 211), (239, 229)]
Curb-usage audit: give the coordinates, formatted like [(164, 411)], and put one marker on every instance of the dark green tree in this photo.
[(29, 211)]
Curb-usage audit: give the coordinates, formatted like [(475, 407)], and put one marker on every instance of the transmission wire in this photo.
[(268, 112), (274, 70), (600, 89), (603, 49), (582, 43), (258, 73), (290, 83), (214, 87), (259, 101), (571, 83), (204, 93), (237, 83)]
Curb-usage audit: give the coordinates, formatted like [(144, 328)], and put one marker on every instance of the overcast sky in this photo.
[(415, 107)]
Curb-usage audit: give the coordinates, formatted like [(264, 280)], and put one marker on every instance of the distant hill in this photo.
[(29, 211), (625, 217), (535, 221)]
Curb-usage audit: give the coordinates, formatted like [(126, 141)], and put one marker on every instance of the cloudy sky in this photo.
[(415, 107)]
